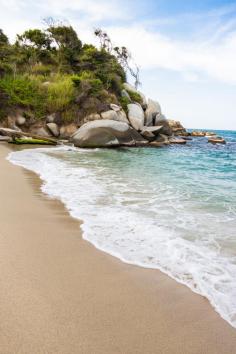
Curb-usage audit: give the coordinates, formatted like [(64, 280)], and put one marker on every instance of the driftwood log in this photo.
[(18, 134)]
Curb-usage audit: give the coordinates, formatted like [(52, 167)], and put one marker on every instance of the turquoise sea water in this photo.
[(172, 208)]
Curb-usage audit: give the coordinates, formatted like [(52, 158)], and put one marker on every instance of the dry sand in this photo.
[(58, 294)]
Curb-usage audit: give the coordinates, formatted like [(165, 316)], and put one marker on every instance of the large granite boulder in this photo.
[(105, 133), (153, 108), (160, 119), (136, 116), (118, 115)]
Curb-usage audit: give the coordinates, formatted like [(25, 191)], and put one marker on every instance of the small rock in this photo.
[(156, 144), (217, 140), (51, 118), (66, 131), (112, 115), (42, 132), (119, 116), (175, 140), (53, 127), (5, 138), (198, 134), (91, 117), (20, 120), (115, 107), (154, 130), (162, 138)]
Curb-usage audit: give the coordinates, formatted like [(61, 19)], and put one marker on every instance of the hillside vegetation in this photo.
[(52, 71)]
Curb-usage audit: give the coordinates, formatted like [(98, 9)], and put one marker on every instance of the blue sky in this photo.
[(186, 49)]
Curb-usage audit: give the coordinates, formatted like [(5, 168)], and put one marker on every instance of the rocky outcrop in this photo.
[(153, 109), (177, 127), (136, 116), (161, 120), (106, 133), (138, 123)]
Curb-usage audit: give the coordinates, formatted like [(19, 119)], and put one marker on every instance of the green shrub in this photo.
[(25, 92), (96, 86), (60, 93), (124, 101), (135, 96), (40, 69), (70, 114)]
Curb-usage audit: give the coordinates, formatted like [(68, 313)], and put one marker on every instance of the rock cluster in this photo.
[(142, 124)]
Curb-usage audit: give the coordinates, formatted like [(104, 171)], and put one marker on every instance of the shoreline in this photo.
[(62, 295)]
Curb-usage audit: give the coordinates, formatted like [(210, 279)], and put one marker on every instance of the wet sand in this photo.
[(59, 294)]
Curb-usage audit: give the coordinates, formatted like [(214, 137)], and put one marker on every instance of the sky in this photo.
[(186, 49)]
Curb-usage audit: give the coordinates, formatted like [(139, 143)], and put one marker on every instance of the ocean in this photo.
[(171, 208)]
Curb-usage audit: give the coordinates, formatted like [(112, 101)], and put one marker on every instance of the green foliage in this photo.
[(47, 71), (5, 69), (60, 93), (35, 38), (94, 85), (41, 69), (135, 96), (124, 101), (70, 114), (65, 37), (23, 91), (3, 38)]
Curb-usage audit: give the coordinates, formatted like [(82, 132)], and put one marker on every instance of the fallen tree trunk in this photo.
[(17, 134)]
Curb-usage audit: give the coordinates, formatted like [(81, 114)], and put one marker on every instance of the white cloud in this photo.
[(215, 60), (211, 54)]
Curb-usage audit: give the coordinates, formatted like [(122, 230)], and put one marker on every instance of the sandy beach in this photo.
[(58, 294)]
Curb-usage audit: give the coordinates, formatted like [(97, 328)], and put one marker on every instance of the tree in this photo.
[(105, 41), (3, 38), (66, 42), (122, 54), (35, 38)]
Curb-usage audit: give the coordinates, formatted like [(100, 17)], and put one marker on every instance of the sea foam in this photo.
[(143, 218)]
